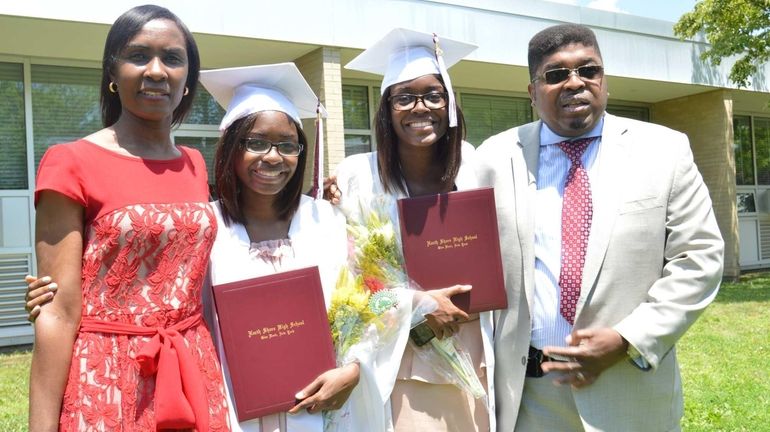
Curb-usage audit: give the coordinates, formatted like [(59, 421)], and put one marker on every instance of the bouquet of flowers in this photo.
[(364, 312), (362, 302), (355, 314), (362, 298)]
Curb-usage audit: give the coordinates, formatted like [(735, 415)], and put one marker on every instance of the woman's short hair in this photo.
[(122, 31), (448, 149), (228, 186)]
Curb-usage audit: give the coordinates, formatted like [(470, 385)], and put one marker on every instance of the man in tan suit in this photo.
[(611, 252)]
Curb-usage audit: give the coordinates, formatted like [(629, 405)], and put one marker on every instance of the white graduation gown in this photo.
[(318, 237), (358, 176)]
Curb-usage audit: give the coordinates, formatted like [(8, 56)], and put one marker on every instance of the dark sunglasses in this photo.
[(556, 76), (260, 146)]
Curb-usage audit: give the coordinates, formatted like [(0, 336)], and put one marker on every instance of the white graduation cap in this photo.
[(274, 87), (404, 55)]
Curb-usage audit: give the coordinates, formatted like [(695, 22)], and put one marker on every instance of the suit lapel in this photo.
[(525, 187), (607, 188)]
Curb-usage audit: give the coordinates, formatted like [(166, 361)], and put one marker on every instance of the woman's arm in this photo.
[(59, 247)]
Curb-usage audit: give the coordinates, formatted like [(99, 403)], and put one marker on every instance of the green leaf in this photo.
[(733, 28)]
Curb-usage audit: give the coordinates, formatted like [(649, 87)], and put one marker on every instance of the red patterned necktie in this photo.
[(576, 214)]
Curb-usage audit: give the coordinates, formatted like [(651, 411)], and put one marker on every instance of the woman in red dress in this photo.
[(124, 227)]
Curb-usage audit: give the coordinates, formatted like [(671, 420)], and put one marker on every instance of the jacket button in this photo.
[(523, 361)]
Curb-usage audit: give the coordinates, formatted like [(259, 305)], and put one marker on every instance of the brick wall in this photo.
[(707, 119), (322, 70)]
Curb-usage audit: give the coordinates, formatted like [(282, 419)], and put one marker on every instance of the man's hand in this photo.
[(592, 351)]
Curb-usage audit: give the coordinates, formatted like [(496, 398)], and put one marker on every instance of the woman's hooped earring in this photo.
[(112, 87), (186, 91)]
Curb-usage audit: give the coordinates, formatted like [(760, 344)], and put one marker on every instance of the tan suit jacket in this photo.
[(654, 262)]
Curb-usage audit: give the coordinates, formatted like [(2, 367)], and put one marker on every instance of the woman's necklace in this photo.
[(416, 189), (260, 231)]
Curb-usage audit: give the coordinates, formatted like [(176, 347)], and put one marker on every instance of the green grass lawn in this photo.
[(14, 378), (725, 360)]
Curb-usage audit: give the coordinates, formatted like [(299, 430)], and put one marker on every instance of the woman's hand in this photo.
[(444, 320), (329, 391), (331, 191), (39, 292)]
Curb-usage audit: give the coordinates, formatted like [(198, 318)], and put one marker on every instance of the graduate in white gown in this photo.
[(265, 223), (420, 151)]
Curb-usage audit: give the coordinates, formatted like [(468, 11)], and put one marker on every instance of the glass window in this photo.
[(744, 161), (206, 145), (355, 144), (355, 107), (13, 142), (762, 149), (632, 112), (746, 203), (205, 110), (488, 115), (356, 115), (65, 105)]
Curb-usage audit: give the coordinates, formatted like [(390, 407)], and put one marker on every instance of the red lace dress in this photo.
[(148, 232)]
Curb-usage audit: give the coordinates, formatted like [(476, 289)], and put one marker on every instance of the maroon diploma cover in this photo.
[(276, 338), (452, 239)]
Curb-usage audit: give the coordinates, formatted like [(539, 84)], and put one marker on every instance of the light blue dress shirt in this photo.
[(548, 326)]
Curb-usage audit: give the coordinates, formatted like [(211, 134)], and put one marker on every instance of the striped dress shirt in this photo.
[(548, 326)]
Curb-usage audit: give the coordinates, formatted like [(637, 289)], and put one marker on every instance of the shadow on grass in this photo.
[(15, 349), (753, 287)]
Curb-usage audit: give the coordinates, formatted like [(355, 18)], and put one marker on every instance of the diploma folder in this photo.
[(276, 338), (452, 238)]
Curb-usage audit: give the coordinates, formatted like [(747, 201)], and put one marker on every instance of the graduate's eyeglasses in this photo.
[(556, 76), (260, 146), (405, 101)]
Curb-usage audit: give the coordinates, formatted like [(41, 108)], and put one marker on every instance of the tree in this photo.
[(732, 27)]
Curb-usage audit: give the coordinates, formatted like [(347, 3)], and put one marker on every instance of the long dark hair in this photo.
[(448, 152), (228, 186), (122, 31)]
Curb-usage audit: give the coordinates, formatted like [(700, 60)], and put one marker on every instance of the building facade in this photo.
[(50, 72)]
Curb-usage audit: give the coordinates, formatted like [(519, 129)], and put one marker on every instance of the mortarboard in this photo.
[(274, 87), (404, 55)]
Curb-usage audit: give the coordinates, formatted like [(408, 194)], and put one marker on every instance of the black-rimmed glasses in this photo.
[(406, 101), (261, 146), (556, 76)]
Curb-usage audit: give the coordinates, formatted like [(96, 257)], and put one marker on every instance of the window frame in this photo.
[(758, 190), (372, 87), (29, 145), (459, 92), (631, 105)]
